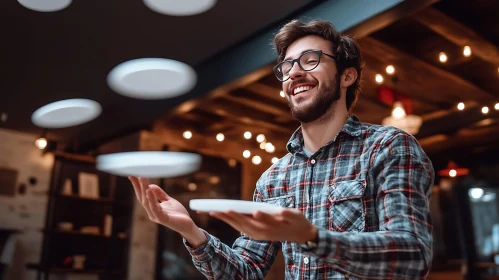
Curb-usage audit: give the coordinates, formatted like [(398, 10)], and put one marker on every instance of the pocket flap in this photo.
[(344, 190), (283, 201)]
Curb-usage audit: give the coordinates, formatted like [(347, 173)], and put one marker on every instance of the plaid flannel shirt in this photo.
[(368, 193)]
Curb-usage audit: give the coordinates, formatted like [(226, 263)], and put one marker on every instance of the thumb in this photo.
[(159, 193)]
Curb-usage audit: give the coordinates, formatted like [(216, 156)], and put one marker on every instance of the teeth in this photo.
[(300, 89)]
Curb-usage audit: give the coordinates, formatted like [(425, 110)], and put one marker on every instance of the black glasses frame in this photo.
[(297, 60)]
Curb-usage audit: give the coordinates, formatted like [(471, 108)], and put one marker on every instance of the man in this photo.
[(356, 195)]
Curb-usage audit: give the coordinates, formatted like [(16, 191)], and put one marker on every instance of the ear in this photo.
[(348, 77)]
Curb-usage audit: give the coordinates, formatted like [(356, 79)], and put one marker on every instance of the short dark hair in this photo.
[(345, 49)]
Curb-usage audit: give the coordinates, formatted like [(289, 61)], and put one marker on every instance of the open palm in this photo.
[(160, 207)]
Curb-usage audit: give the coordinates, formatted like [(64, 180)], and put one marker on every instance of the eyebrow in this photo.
[(287, 58)]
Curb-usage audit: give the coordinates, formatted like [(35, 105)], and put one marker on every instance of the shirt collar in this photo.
[(352, 127)]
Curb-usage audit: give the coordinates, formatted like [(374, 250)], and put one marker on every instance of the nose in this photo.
[(296, 72)]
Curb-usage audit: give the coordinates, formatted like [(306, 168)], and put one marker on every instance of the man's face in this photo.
[(310, 94)]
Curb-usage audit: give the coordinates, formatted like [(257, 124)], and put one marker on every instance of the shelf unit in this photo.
[(106, 254)]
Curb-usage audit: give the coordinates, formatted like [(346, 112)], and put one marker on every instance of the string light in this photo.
[(247, 135), (220, 137), (246, 154), (452, 173), (274, 160), (390, 69), (442, 57), (460, 106), (496, 106), (467, 51), (379, 78), (485, 109), (269, 148), (256, 160), (187, 134), (260, 138), (262, 145), (41, 143)]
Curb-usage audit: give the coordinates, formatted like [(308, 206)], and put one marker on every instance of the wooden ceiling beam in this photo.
[(458, 33)]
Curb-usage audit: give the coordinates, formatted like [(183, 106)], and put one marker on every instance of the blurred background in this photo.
[(432, 70)]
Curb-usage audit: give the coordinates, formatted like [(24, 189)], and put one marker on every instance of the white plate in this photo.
[(180, 8), (149, 164), (152, 78), (66, 113), (239, 206), (45, 5)]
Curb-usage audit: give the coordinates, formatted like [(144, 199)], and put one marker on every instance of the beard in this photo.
[(322, 101)]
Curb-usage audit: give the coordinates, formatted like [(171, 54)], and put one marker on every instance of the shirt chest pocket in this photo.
[(346, 211)]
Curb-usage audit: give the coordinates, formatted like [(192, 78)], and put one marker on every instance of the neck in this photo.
[(323, 130)]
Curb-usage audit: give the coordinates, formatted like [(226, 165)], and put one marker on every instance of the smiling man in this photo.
[(356, 195)]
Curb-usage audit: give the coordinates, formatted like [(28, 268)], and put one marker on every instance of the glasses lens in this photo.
[(282, 70), (309, 60)]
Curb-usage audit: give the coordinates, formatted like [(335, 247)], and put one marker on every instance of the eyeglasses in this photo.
[(308, 61)]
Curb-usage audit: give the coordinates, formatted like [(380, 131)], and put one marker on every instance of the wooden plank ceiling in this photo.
[(412, 45)]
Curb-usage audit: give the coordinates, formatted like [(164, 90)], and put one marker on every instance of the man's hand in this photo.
[(287, 225), (167, 211)]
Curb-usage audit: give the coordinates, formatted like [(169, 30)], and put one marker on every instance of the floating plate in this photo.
[(66, 113), (149, 164), (180, 7), (45, 5), (152, 78), (239, 206)]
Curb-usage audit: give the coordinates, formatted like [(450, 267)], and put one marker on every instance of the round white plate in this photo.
[(152, 78), (45, 5), (239, 206), (149, 164), (66, 113), (180, 7)]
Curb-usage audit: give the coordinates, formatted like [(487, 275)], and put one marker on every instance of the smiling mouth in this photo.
[(302, 89)]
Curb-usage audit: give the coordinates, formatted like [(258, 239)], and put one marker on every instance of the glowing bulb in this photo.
[(476, 193), (247, 135), (220, 137), (274, 160), (460, 106), (256, 160), (452, 173), (260, 138), (269, 147), (281, 93), (496, 106), (398, 111), (485, 110), (390, 69), (192, 187), (442, 57), (187, 134), (41, 143), (262, 145), (246, 154), (467, 51), (379, 78)]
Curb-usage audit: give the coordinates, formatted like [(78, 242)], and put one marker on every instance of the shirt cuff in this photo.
[(325, 244), (204, 252)]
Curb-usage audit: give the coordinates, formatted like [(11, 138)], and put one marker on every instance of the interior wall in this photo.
[(26, 209)]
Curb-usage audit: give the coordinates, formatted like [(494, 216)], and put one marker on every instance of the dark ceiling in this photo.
[(67, 54)]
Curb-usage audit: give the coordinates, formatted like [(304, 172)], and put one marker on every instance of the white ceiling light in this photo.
[(180, 7), (45, 5), (409, 123), (152, 78), (66, 113)]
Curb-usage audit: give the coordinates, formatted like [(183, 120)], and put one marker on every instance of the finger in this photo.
[(152, 205), (267, 219), (136, 187), (227, 219), (159, 193), (144, 183), (290, 214)]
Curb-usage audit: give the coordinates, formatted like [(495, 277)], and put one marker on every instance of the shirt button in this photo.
[(313, 161), (305, 260)]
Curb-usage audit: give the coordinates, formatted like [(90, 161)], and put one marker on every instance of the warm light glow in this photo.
[(274, 160), (256, 160), (496, 106), (442, 57), (467, 51), (260, 138), (262, 145), (485, 110), (398, 111), (192, 187), (269, 148), (460, 106), (247, 135), (187, 134), (246, 154), (452, 173), (281, 93), (379, 78), (476, 193), (41, 143), (220, 137), (390, 69)]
